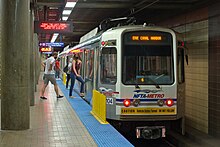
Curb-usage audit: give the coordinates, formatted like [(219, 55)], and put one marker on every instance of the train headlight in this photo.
[(127, 103), (169, 102), (160, 102)]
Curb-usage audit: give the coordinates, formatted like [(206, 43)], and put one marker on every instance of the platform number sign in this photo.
[(109, 101)]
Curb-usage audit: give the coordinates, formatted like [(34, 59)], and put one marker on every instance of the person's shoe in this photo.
[(81, 94), (72, 96), (60, 96), (43, 98)]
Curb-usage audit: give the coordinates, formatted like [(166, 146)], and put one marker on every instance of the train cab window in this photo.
[(108, 74), (180, 64), (147, 62)]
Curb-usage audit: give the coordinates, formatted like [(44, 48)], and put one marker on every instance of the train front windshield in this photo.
[(147, 58)]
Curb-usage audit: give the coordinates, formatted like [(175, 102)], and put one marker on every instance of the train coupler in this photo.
[(150, 132)]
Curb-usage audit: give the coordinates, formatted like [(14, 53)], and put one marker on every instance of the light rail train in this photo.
[(140, 69)]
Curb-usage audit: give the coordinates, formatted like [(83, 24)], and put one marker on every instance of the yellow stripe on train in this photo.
[(142, 111)]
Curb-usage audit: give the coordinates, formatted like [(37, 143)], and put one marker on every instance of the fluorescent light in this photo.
[(66, 12), (70, 4), (64, 17), (55, 35)]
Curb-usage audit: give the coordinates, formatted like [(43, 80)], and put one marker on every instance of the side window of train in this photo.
[(180, 65), (89, 58), (108, 64)]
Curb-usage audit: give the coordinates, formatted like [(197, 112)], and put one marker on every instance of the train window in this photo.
[(89, 56), (108, 65), (147, 63), (181, 75)]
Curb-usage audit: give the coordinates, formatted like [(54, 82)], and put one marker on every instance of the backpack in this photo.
[(65, 69)]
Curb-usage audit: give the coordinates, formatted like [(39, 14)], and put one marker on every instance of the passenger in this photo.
[(49, 75), (68, 72), (75, 74), (57, 68)]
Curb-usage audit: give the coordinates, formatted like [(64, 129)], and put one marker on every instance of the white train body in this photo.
[(140, 69)]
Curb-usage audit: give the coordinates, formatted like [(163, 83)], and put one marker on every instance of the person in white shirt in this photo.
[(68, 72), (49, 75)]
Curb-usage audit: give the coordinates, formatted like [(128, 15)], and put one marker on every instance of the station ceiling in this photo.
[(87, 14)]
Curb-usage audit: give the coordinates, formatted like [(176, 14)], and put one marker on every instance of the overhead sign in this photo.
[(52, 44), (50, 27), (45, 49)]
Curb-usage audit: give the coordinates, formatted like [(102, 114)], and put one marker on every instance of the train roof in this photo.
[(95, 34)]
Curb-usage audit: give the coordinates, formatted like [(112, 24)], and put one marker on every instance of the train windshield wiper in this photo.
[(151, 80)]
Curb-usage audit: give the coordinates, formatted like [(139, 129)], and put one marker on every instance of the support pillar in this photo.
[(1, 43), (15, 110), (32, 66)]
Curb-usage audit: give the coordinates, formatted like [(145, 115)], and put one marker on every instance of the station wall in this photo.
[(194, 28), (201, 31)]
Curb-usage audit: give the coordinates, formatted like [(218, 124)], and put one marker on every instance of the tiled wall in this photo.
[(194, 27), (214, 70), (203, 72), (196, 108)]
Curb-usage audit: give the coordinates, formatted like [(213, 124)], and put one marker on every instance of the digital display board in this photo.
[(50, 27), (147, 37)]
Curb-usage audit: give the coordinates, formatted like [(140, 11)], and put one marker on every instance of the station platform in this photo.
[(65, 122)]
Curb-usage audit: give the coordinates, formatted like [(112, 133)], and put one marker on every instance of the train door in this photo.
[(108, 77), (89, 76)]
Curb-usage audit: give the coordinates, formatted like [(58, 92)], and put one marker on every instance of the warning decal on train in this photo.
[(148, 111)]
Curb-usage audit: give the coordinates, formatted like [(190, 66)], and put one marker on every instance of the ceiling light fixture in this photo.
[(65, 18), (70, 4), (55, 35), (67, 12)]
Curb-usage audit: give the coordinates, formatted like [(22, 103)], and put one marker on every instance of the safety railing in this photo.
[(99, 107), (64, 78)]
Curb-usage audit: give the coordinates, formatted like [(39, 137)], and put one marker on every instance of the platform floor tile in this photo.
[(103, 135), (53, 124)]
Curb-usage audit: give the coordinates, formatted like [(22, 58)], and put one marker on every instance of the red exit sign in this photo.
[(53, 27), (45, 49)]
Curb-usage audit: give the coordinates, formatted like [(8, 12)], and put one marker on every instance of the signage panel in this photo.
[(152, 111), (45, 49), (50, 27), (51, 44)]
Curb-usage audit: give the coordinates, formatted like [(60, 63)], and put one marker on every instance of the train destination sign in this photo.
[(53, 27), (146, 38), (51, 44)]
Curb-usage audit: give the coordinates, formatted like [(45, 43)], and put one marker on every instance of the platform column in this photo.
[(32, 59), (1, 43), (15, 109)]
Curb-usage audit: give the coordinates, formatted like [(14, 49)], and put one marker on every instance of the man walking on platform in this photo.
[(49, 75)]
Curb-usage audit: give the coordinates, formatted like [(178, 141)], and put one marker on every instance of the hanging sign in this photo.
[(49, 27), (51, 44)]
